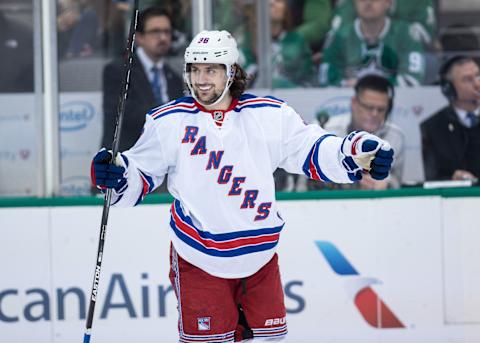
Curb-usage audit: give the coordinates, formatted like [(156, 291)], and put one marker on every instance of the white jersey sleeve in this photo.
[(310, 150), (146, 164)]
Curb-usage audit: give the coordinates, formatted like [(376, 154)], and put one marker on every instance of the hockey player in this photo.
[(373, 42), (220, 148)]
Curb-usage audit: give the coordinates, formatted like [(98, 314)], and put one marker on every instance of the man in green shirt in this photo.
[(315, 18), (421, 13), (373, 43)]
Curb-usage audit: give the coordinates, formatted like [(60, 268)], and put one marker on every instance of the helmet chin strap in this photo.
[(225, 90)]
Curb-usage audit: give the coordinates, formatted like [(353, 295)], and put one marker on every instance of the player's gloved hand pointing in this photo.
[(363, 151), (105, 174)]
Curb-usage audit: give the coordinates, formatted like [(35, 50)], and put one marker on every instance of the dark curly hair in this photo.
[(239, 83)]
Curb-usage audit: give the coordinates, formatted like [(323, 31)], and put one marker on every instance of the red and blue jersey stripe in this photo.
[(181, 105), (311, 167), (252, 101), (229, 244), (147, 187)]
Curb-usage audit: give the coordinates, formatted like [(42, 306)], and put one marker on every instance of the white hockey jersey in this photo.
[(224, 218)]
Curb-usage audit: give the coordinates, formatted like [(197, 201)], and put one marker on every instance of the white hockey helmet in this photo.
[(217, 47)]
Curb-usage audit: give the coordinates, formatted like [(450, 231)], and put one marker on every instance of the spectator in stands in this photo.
[(451, 137), (420, 13), (311, 19), (152, 81), (291, 55), (16, 67), (370, 109), (85, 35), (113, 25), (67, 19), (373, 42), (235, 16)]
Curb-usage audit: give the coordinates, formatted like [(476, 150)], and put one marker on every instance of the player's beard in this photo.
[(208, 98)]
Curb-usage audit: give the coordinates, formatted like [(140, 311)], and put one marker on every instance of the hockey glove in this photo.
[(105, 174), (366, 152)]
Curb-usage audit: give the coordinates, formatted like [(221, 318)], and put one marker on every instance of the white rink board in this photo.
[(409, 245)]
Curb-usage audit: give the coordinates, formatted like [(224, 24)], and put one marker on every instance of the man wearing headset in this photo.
[(371, 106), (451, 137), (219, 148)]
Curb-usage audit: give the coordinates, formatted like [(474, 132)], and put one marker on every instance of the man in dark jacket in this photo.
[(451, 137), (152, 81)]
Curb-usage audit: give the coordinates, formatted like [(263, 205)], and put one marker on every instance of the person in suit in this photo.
[(451, 137), (152, 82)]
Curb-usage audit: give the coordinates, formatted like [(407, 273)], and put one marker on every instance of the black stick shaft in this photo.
[(108, 195)]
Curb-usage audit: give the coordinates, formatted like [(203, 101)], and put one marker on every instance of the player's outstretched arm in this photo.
[(322, 156)]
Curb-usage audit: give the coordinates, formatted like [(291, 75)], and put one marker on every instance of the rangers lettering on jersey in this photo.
[(200, 147)]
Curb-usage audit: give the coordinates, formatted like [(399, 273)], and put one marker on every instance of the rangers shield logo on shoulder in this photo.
[(203, 323)]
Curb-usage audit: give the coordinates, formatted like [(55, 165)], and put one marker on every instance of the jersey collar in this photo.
[(218, 116), (203, 109), (381, 35)]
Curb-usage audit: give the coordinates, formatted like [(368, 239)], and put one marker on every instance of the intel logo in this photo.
[(335, 106), (75, 115), (76, 186)]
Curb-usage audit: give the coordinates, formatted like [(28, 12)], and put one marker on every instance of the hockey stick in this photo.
[(108, 195)]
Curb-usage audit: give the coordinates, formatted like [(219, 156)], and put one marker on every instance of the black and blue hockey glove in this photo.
[(105, 174)]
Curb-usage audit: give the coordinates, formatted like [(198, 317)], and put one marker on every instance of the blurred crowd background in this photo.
[(378, 55)]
